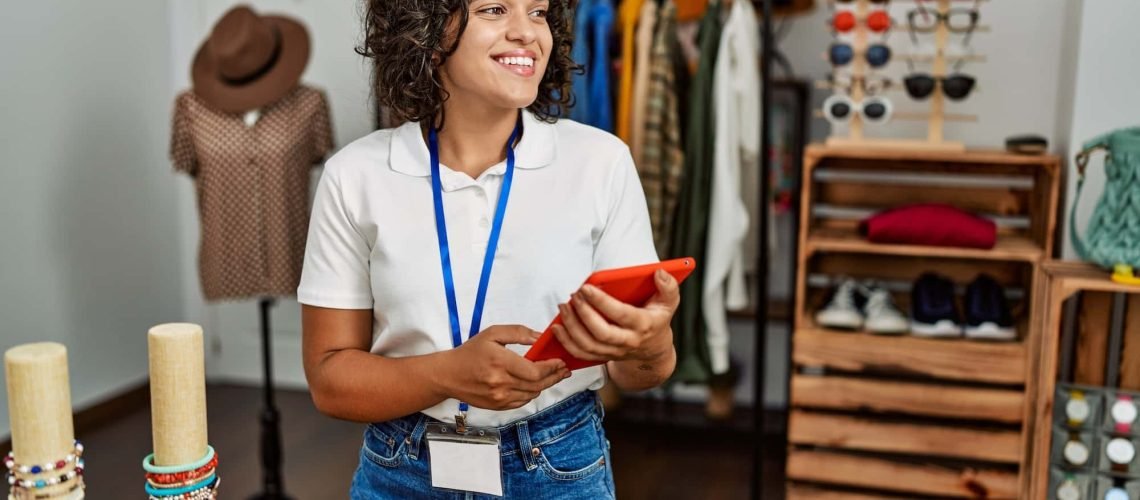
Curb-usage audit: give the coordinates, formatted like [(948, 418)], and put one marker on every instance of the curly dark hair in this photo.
[(407, 39)]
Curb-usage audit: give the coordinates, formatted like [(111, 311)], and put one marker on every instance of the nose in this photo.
[(521, 28)]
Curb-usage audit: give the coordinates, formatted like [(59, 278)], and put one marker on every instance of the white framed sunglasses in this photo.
[(839, 108)]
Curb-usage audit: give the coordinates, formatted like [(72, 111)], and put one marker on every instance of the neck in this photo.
[(474, 138)]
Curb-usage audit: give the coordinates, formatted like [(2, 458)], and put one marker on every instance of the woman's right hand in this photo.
[(485, 374)]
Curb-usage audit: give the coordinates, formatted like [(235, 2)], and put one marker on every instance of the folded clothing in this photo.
[(931, 224)]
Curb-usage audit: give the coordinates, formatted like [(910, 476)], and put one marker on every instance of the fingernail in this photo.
[(661, 274), (589, 289)]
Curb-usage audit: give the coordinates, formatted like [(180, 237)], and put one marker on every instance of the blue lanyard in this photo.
[(492, 243)]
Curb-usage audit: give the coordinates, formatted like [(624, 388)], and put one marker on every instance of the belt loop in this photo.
[(416, 437), (599, 405), (525, 447)]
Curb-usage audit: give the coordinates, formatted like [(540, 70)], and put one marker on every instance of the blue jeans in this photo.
[(560, 453)]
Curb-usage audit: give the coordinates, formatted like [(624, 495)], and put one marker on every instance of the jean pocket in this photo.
[(575, 454), (383, 445)]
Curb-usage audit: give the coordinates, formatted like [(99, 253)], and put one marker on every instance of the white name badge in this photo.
[(465, 461)]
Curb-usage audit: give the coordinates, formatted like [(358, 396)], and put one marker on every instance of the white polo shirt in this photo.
[(576, 206)]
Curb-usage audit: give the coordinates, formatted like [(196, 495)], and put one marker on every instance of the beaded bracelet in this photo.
[(10, 462), (148, 464), (27, 495), (179, 477), (44, 483), (199, 492), (166, 492), (181, 484)]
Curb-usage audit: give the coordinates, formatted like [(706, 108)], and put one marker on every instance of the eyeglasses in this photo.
[(878, 21), (841, 54), (872, 1), (871, 86), (956, 86), (957, 20), (839, 108)]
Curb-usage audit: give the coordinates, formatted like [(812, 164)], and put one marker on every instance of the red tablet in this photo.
[(632, 285)]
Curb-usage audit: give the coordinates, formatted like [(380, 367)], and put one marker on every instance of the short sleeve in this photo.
[(182, 152), (322, 132), (627, 238), (336, 269)]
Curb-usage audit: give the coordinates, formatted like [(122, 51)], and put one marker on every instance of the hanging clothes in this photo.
[(690, 230), (646, 21), (630, 13), (736, 155), (663, 156), (594, 20)]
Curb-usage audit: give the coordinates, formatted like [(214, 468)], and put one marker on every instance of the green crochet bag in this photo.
[(1113, 236)]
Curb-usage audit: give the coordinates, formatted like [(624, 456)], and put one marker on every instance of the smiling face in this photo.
[(502, 54)]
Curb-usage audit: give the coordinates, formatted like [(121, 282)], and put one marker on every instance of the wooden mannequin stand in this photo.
[(272, 485)]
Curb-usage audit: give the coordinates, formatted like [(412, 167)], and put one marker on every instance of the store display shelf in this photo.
[(900, 476), (1008, 248), (954, 359), (984, 159)]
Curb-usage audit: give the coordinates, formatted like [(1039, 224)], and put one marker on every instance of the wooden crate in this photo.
[(876, 416), (1059, 282)]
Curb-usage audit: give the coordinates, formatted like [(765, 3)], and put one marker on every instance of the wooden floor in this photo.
[(320, 453)]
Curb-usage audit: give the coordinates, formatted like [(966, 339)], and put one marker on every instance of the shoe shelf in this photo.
[(902, 416), (835, 240)]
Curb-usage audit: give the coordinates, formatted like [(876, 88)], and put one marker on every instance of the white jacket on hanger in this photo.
[(736, 110)]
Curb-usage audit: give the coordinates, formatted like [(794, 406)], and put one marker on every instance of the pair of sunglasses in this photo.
[(839, 108), (870, 85), (958, 20), (956, 86), (841, 54), (878, 21)]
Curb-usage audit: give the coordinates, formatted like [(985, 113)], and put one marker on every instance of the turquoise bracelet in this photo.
[(208, 482), (148, 464)]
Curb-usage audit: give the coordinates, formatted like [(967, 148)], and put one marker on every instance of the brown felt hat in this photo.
[(249, 61)]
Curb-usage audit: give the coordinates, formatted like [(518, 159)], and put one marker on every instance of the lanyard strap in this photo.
[(492, 243)]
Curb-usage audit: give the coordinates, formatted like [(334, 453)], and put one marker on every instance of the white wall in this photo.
[(88, 237), (1017, 84), (233, 345), (1105, 95)]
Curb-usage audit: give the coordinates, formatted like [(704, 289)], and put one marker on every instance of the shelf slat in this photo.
[(889, 475), (981, 157), (955, 359), (866, 434), (926, 400), (1008, 247)]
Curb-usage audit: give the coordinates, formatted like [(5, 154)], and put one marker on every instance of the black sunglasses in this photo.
[(956, 86)]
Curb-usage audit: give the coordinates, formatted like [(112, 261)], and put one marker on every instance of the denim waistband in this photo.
[(523, 434)]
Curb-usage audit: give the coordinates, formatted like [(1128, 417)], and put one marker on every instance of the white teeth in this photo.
[(516, 61)]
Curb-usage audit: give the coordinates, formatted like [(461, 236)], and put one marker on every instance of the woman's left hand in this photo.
[(598, 327)]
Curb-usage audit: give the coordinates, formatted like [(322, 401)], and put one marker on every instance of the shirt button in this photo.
[(480, 194), (483, 223)]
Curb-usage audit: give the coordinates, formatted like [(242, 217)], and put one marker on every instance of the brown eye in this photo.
[(494, 11), (539, 13)]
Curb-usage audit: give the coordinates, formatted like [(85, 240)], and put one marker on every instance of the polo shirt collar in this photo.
[(409, 152)]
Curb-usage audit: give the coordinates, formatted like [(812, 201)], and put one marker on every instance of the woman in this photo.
[(509, 232)]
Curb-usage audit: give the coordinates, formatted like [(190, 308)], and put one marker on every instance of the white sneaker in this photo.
[(881, 314), (842, 311)]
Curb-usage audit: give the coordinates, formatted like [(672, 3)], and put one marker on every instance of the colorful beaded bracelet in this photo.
[(181, 484), (10, 462), (29, 495), (179, 477), (207, 493), (44, 483), (148, 464), (208, 484)]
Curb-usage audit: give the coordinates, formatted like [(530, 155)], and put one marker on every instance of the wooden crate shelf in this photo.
[(1058, 282), (838, 393), (905, 416), (873, 434), (1008, 247), (954, 359), (901, 476)]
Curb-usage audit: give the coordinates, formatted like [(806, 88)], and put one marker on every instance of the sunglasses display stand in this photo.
[(1089, 349), (935, 118)]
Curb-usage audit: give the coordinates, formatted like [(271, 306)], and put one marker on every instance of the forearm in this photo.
[(639, 375), (357, 385)]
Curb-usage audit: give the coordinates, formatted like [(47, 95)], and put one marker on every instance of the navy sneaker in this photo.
[(987, 311), (933, 312)]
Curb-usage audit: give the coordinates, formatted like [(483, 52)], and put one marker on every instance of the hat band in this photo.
[(264, 68)]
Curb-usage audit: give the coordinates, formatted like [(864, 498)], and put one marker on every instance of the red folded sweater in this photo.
[(932, 224)]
